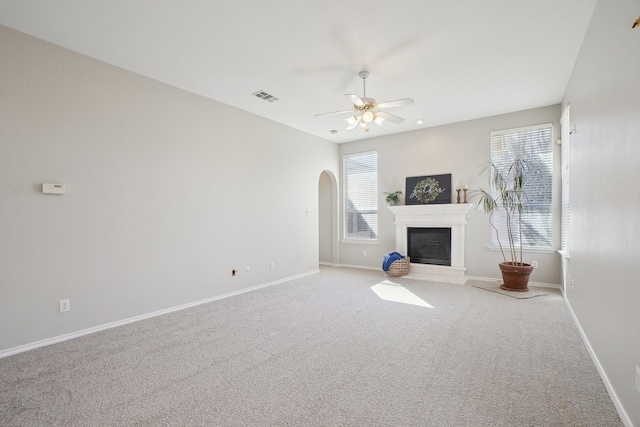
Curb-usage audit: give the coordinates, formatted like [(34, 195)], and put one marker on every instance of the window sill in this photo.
[(360, 242), (527, 250)]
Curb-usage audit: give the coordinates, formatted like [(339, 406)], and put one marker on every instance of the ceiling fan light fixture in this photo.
[(352, 122), (378, 120), (367, 116)]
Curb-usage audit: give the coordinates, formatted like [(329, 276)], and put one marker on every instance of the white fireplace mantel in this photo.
[(442, 216)]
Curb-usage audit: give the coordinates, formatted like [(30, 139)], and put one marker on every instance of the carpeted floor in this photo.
[(325, 350)]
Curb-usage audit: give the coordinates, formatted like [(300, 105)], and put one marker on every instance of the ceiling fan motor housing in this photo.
[(369, 104)]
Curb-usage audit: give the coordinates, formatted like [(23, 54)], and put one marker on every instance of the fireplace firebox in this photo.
[(429, 245), (451, 216)]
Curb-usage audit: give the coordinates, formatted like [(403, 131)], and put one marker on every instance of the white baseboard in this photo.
[(614, 397), (547, 285), (435, 278), (443, 278), (72, 335), (361, 267)]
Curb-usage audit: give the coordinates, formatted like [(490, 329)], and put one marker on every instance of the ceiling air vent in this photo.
[(264, 95)]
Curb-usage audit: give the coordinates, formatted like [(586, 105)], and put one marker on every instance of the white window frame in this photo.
[(542, 204), (565, 135), (365, 194)]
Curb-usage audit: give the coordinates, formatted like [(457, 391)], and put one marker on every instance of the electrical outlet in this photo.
[(247, 269), (65, 305), (638, 378), (534, 264), (364, 253), (273, 265)]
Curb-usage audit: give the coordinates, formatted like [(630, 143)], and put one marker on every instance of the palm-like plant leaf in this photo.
[(507, 195)]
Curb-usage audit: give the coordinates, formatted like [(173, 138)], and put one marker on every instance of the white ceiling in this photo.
[(458, 60)]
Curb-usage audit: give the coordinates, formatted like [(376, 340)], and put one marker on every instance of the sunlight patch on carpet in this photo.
[(390, 291)]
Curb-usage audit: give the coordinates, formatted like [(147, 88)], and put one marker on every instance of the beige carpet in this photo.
[(340, 348), (495, 287)]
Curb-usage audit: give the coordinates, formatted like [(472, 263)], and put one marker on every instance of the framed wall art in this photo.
[(430, 189)]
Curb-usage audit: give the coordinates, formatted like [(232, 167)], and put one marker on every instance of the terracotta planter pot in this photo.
[(515, 276)]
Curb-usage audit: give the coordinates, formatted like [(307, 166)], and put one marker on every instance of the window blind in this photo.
[(533, 145), (360, 178), (566, 180)]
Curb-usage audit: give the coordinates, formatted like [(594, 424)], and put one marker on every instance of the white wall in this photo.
[(461, 149), (167, 192), (604, 95)]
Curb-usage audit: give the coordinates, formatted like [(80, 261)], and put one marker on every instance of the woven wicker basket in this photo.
[(399, 267)]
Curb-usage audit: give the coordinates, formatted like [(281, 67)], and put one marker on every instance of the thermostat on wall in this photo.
[(53, 188)]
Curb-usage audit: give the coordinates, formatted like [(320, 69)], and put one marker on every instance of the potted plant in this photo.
[(393, 198), (509, 197)]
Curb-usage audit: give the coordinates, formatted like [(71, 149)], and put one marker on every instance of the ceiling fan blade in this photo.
[(396, 103), (355, 99), (335, 112), (393, 119)]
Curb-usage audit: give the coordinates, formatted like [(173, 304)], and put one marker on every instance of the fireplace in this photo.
[(441, 216), (429, 245)]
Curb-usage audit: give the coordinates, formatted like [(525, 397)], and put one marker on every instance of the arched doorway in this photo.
[(328, 218)]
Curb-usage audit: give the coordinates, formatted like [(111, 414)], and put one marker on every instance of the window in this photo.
[(360, 178), (533, 145), (565, 134)]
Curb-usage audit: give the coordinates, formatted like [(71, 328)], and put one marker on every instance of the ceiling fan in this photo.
[(366, 110)]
